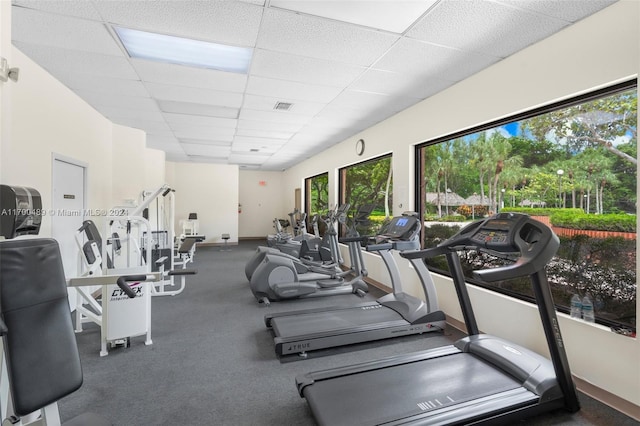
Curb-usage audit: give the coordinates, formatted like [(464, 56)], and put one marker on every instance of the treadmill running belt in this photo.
[(404, 390), (327, 321)]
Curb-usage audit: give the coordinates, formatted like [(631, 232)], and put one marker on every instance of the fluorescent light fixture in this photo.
[(183, 51)]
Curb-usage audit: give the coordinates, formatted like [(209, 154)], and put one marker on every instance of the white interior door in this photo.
[(68, 206)]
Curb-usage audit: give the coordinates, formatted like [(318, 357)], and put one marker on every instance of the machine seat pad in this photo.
[(88, 419), (186, 245), (43, 362)]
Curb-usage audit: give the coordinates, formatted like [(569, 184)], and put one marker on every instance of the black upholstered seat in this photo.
[(42, 356)]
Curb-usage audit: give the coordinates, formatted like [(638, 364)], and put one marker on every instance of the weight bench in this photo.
[(40, 350)]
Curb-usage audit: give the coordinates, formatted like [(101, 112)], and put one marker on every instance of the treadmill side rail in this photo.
[(534, 371)]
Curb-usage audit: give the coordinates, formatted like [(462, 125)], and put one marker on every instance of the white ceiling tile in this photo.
[(258, 142), (172, 74), (394, 16), (146, 125), (206, 150), (199, 120), (234, 23), (203, 132), (198, 109), (137, 114), (265, 125), (206, 142), (314, 37), (301, 69), (59, 61), (290, 90), (428, 61), (263, 103), (162, 138), (264, 134), (273, 116), (98, 99), (569, 10), (248, 158), (49, 29), (483, 26), (396, 83), (194, 95), (341, 78), (117, 86), (77, 8)]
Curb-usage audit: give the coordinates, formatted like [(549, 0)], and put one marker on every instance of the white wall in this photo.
[(40, 127), (211, 191), (596, 52), (135, 167), (260, 194)]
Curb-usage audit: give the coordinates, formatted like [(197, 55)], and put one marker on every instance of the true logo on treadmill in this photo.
[(371, 307), (512, 350)]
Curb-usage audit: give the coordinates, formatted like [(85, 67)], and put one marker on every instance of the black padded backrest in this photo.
[(42, 355)]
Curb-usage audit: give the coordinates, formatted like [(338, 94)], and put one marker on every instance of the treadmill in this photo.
[(393, 315), (480, 379)]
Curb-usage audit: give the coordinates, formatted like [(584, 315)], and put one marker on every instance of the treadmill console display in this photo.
[(401, 228)]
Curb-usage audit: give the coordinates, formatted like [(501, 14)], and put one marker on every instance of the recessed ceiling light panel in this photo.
[(183, 51)]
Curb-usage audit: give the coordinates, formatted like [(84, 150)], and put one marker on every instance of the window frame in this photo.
[(419, 158)]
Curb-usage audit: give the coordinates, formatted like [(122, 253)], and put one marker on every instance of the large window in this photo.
[(572, 165), (316, 200), (367, 187)]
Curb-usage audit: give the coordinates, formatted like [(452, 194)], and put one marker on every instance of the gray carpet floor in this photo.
[(212, 361)]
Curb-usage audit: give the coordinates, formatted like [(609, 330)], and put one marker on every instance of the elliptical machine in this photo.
[(278, 277), (315, 252)]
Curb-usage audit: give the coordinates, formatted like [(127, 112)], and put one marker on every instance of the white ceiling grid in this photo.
[(343, 65)]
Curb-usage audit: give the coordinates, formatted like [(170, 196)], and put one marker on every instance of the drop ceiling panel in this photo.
[(49, 29), (569, 10), (206, 150), (234, 23), (302, 69), (273, 116), (393, 16), (483, 27), (203, 132), (59, 61), (198, 109), (304, 35), (194, 95), (77, 8), (429, 61), (244, 158), (272, 134), (265, 125), (258, 142), (263, 103), (135, 114), (146, 125), (199, 120), (291, 90), (117, 86), (396, 83), (325, 57), (98, 99), (180, 75)]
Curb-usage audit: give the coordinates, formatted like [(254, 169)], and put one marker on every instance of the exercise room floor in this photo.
[(212, 361)]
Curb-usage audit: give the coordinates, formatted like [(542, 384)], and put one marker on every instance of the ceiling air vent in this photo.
[(283, 106)]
